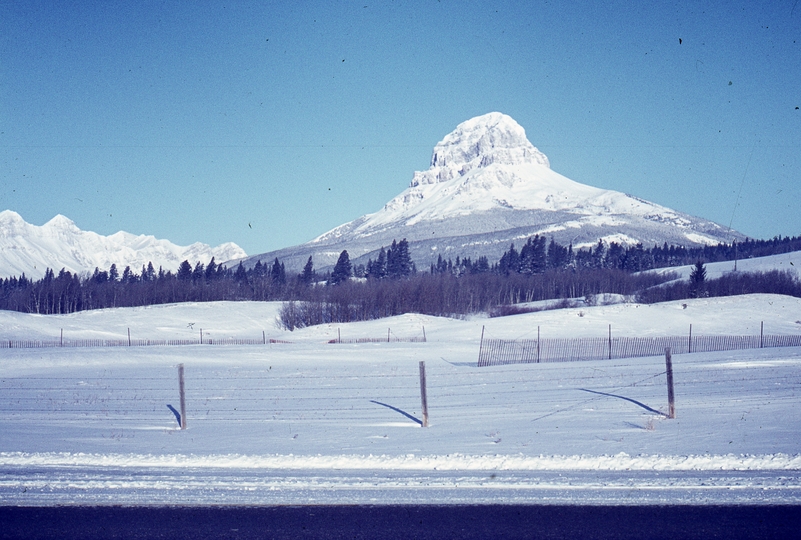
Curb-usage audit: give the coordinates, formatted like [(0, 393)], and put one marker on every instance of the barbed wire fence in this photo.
[(354, 393), (342, 396)]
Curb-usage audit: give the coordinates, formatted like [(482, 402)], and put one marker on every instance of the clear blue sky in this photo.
[(268, 123)]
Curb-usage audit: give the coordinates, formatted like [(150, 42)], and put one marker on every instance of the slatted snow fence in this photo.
[(493, 352)]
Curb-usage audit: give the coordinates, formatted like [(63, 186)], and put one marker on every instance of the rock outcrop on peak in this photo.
[(479, 142)]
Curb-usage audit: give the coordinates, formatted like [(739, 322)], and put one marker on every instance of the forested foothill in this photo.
[(392, 285)]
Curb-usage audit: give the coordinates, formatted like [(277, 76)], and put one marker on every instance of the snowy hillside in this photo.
[(488, 186), (59, 243), (308, 422), (734, 315), (790, 262)]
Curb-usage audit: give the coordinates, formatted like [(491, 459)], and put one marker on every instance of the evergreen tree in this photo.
[(697, 280), (113, 273), (98, 276), (635, 259), (240, 275), (557, 255), (185, 271), (342, 270), (127, 275), (307, 277), (598, 255), (380, 265), (211, 270), (199, 272), (482, 265), (278, 273), (510, 261), (258, 269), (399, 261), (532, 256), (615, 256), (392, 269), (151, 272)]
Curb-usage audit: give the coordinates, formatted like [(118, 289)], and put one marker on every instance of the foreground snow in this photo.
[(312, 422)]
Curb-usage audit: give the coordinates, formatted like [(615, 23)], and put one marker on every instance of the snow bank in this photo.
[(450, 462)]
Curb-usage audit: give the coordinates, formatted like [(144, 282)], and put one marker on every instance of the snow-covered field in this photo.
[(313, 422)]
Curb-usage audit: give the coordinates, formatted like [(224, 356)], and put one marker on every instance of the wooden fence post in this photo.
[(610, 342), (538, 344), (181, 392), (264, 337), (129, 337), (423, 397), (690, 342), (481, 344), (424, 335), (387, 335), (761, 333), (61, 342), (669, 371), (201, 336)]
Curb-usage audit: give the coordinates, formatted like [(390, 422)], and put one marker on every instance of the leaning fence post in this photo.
[(480, 345), (669, 372), (424, 335), (181, 392), (423, 397)]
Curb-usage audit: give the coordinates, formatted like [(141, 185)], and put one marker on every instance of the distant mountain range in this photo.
[(59, 243), (488, 187)]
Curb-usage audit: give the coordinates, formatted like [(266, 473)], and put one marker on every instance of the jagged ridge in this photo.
[(59, 243)]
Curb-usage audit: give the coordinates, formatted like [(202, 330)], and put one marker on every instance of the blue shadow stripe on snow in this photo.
[(643, 405), (404, 413), (176, 413)]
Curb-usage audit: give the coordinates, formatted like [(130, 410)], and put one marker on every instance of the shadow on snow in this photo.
[(643, 405), (404, 413)]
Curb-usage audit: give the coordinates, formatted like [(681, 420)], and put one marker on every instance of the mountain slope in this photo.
[(487, 187), (59, 243)]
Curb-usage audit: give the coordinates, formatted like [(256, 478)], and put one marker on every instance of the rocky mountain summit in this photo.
[(487, 187)]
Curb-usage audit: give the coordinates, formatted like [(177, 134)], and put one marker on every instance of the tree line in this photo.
[(391, 284)]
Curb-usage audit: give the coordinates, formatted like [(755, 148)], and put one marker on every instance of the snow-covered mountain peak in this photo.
[(9, 216), (488, 186), (493, 138), (11, 222), (61, 223), (59, 243)]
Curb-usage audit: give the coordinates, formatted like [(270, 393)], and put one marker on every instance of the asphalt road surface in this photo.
[(426, 521)]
